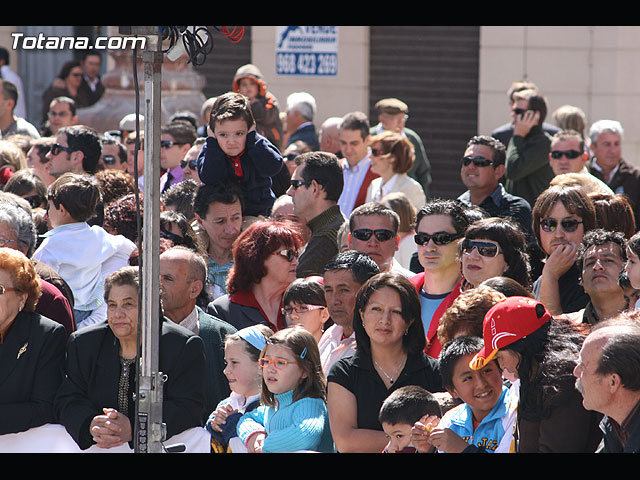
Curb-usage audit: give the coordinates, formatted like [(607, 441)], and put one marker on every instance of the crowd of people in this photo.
[(314, 296)]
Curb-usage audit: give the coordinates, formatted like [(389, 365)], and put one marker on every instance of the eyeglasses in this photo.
[(56, 148), (169, 143), (4, 241), (109, 160), (300, 309), (519, 111), (176, 239), (193, 164), (381, 234), (477, 161), (35, 200), (299, 183), (278, 363), (569, 225), (570, 154), (4, 289), (289, 254), (376, 152), (486, 249), (439, 238), (290, 157)]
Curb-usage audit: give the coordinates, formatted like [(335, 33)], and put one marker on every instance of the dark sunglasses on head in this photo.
[(193, 164), (569, 225), (56, 148), (439, 238), (570, 154), (477, 161), (299, 183), (289, 254), (381, 234), (486, 249)]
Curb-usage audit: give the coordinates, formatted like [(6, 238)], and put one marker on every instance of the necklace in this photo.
[(390, 377)]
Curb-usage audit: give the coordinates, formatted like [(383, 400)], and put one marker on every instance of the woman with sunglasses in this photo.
[(390, 354), (561, 217), (265, 257), (66, 84), (494, 247), (392, 156)]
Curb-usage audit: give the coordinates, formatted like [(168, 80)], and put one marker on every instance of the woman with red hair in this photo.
[(265, 257)]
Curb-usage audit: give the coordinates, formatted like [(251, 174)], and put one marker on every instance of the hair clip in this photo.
[(303, 353)]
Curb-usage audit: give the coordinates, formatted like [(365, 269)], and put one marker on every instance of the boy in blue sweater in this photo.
[(485, 421), (236, 153)]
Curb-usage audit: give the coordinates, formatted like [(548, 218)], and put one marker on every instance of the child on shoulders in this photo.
[(293, 416), (237, 153)]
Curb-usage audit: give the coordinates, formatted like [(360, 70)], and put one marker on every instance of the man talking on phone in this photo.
[(527, 169)]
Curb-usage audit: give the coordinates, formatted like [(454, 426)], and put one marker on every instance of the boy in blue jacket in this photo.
[(236, 153), (484, 422)]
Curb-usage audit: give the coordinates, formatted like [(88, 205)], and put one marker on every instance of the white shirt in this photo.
[(353, 178), (333, 347), (20, 109)]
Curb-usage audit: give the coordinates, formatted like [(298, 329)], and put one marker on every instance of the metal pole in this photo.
[(150, 431)]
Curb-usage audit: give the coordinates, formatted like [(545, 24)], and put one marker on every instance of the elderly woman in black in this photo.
[(95, 402), (31, 348)]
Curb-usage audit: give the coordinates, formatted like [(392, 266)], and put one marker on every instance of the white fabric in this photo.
[(53, 438), (20, 109), (332, 347)]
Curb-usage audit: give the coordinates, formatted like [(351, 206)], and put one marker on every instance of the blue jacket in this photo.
[(260, 161), (495, 432)]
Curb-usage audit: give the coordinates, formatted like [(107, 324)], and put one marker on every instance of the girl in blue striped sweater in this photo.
[(293, 413)]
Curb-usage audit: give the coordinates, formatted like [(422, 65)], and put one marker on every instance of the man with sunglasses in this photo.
[(316, 186), (440, 224), (189, 163), (527, 169), (374, 230), (481, 168), (114, 154), (175, 141), (568, 155), (77, 149)]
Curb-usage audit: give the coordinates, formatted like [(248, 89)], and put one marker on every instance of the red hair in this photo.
[(252, 248)]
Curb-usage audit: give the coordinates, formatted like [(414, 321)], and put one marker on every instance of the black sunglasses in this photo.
[(289, 254), (169, 143), (376, 152), (56, 148), (381, 234), (486, 249), (193, 164), (439, 238), (109, 160), (35, 200), (570, 154), (298, 183), (569, 225), (477, 161)]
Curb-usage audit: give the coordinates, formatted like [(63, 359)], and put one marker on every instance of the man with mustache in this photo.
[(608, 377), (601, 258)]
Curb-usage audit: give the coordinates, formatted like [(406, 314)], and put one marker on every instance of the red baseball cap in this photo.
[(506, 322)]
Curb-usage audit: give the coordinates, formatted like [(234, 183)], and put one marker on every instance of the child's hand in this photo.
[(446, 440), (255, 441), (421, 432), (220, 417)]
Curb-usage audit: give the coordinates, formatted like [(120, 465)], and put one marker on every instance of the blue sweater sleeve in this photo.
[(303, 429)]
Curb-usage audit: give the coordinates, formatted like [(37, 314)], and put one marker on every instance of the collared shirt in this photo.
[(385, 188), (597, 167), (217, 278), (92, 83), (622, 437), (334, 345), (176, 177), (191, 323), (353, 178)]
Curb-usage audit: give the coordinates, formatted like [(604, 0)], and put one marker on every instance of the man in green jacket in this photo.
[(528, 172)]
